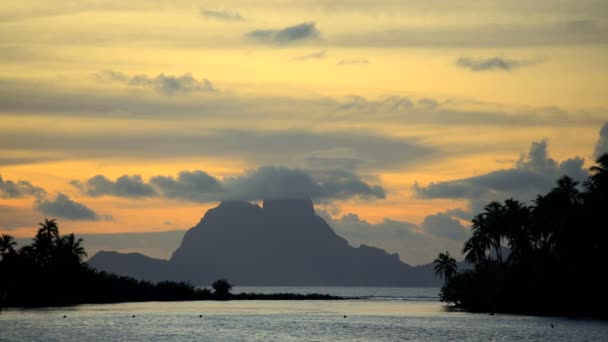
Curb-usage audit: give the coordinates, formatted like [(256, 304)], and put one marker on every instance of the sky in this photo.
[(401, 119)]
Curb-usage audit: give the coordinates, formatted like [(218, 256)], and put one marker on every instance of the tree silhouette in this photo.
[(70, 249), (7, 244), (221, 288), (556, 248), (445, 266), (475, 248), (48, 228)]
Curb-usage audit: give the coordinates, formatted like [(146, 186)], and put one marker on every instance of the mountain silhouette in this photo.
[(281, 243)]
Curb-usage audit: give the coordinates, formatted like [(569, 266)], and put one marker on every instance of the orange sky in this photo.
[(351, 102)]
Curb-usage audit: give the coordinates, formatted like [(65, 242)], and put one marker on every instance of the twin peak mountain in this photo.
[(283, 243)]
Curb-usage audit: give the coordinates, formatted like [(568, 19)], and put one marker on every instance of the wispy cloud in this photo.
[(224, 15), (315, 55), (163, 84), (353, 61), (493, 63), (287, 35)]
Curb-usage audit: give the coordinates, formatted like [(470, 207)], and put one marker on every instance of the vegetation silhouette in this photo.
[(557, 248), (221, 288), (445, 266), (50, 272)]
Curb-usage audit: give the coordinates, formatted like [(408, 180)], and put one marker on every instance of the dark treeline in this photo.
[(555, 259), (50, 272)]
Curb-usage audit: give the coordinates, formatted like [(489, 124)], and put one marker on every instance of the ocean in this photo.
[(382, 314)]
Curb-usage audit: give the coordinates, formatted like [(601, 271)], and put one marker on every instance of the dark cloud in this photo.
[(64, 207), (354, 61), (443, 226), (531, 175), (195, 186), (19, 189), (315, 55), (266, 182), (602, 144), (291, 34), (163, 84), (415, 244), (124, 186), (493, 63), (224, 15)]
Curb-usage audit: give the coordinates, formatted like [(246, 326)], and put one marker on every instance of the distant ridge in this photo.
[(282, 243)]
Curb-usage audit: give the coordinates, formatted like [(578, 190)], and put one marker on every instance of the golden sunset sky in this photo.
[(400, 119)]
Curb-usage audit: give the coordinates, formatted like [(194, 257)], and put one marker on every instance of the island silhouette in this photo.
[(281, 243)]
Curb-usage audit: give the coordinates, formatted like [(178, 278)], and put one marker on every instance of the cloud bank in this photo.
[(19, 189), (266, 182), (602, 144), (533, 174), (415, 243), (64, 207)]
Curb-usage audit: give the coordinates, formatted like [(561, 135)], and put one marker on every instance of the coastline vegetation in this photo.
[(51, 272), (554, 260)]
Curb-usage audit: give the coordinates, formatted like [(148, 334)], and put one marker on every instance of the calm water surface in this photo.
[(385, 314)]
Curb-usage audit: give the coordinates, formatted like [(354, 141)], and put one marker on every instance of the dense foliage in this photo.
[(50, 272), (556, 247)]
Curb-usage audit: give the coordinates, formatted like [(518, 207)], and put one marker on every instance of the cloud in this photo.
[(64, 207), (493, 63), (531, 175), (442, 225), (287, 35), (163, 84), (195, 186), (354, 61), (416, 244), (224, 15), (124, 186), (602, 144), (19, 189), (266, 182), (315, 55), (259, 147)]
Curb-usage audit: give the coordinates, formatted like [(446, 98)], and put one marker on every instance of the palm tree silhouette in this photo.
[(7, 244), (598, 182), (495, 226), (567, 187), (71, 248), (475, 248), (49, 228), (445, 266)]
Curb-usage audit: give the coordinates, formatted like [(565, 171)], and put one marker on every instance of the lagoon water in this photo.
[(384, 314)]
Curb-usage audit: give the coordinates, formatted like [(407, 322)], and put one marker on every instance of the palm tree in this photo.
[(516, 219), (445, 266), (568, 187), (7, 244), (475, 248), (44, 242), (49, 228), (494, 228), (71, 248)]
